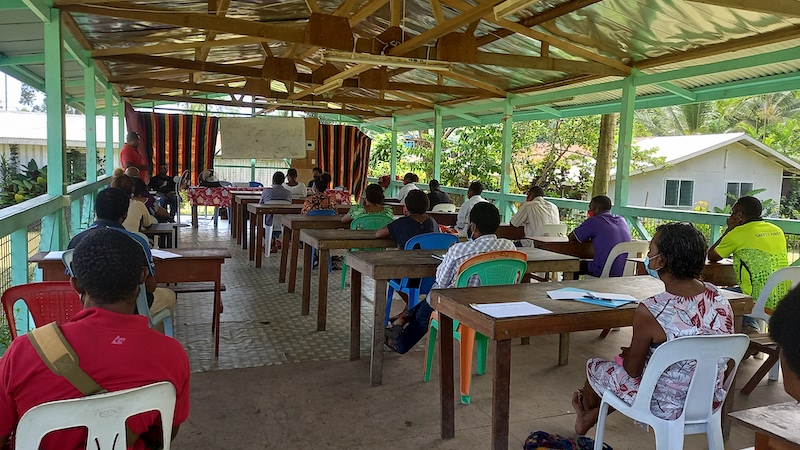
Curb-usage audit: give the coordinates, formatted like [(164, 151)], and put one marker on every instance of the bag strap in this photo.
[(56, 353)]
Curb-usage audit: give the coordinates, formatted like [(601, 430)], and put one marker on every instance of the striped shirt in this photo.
[(447, 272)]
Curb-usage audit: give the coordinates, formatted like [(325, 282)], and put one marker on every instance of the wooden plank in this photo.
[(313, 7), (501, 394), (446, 382), (355, 315), (544, 63), (175, 47), (396, 11), (437, 11)]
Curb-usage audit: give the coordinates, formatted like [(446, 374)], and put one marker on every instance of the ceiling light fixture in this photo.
[(383, 60), (510, 7)]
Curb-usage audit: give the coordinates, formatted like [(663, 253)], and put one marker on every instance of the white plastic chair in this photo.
[(276, 218), (103, 414), (162, 316), (632, 248), (698, 416), (552, 229), (444, 207)]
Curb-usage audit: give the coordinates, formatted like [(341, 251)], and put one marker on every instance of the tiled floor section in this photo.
[(311, 396)]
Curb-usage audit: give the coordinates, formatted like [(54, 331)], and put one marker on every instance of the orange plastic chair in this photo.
[(494, 268), (47, 301)]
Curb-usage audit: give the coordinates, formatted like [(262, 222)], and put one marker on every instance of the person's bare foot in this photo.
[(584, 420)]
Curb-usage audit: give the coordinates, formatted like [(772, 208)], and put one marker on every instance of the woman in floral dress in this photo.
[(688, 307), (320, 200)]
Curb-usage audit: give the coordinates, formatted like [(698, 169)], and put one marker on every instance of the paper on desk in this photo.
[(439, 257), (54, 255), (592, 297), (510, 309), (164, 255)]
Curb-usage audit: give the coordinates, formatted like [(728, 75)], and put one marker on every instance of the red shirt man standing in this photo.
[(132, 156)]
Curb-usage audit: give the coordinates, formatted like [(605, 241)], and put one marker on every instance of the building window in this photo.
[(679, 193), (736, 190)]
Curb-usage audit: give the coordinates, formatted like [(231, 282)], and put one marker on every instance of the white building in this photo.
[(706, 168)]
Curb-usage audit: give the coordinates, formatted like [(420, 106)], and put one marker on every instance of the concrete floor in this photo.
[(280, 384)]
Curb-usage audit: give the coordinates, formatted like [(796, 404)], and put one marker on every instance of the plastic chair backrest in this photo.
[(707, 352), (431, 241), (494, 268), (632, 248), (103, 414), (255, 184), (66, 258), (444, 207), (790, 274), (370, 222), (321, 212), (47, 301), (552, 229)]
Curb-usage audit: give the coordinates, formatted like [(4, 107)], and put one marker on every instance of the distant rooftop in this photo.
[(19, 127)]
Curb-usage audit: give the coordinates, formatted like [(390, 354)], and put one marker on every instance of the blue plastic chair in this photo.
[(427, 241), (256, 184), (321, 212)]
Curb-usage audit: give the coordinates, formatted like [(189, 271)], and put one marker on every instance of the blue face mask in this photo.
[(653, 273)]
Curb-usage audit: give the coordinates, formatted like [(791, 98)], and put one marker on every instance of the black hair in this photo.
[(536, 191), (476, 187), (139, 188), (323, 182), (278, 177), (602, 202), (683, 249), (317, 169), (108, 265), (434, 185), (164, 164), (111, 204), (132, 135), (417, 202), (486, 217), (374, 194), (292, 172), (750, 206), (411, 177), (123, 182), (784, 330)]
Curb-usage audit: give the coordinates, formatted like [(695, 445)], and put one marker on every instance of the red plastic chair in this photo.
[(47, 301)]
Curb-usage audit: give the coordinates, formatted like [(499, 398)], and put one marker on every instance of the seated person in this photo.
[(408, 185), (473, 198), (316, 172), (373, 205), (784, 330), (116, 347), (276, 192), (320, 199), (687, 307), (535, 212), (138, 216), (436, 196), (604, 230), (758, 249), (416, 221), (297, 188), (208, 179), (166, 191), (484, 219), (111, 208), (141, 192)]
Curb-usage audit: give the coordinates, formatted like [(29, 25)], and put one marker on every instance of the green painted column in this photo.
[(505, 173), (393, 158), (109, 111), (437, 143), (90, 110), (19, 256), (624, 146)]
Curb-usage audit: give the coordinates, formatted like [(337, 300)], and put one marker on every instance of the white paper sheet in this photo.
[(439, 257), (163, 255), (572, 294), (510, 309), (54, 255)]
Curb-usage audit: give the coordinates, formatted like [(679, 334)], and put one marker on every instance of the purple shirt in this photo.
[(604, 231), (276, 192)]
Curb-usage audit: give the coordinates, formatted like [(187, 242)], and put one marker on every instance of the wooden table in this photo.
[(717, 273), (167, 230), (194, 266), (236, 211), (568, 316), (292, 224), (777, 426), (386, 265), (506, 230), (560, 244), (443, 218), (325, 241)]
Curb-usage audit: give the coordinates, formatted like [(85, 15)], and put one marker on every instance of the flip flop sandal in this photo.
[(394, 332), (391, 347)]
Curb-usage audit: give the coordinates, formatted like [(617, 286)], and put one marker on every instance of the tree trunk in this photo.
[(605, 153)]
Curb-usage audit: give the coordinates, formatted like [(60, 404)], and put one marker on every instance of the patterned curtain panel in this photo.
[(344, 153), (182, 142)]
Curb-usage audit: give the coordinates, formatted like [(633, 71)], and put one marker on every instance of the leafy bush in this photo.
[(19, 187)]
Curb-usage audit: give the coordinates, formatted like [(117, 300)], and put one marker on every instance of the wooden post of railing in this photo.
[(393, 159)]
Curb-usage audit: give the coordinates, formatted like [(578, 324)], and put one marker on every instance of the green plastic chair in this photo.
[(368, 222), (493, 269)]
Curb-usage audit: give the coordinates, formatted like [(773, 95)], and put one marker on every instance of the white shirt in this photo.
[(462, 220), (534, 214), (401, 196), (298, 190), (138, 216)]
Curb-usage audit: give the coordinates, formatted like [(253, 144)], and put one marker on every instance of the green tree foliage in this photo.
[(18, 187)]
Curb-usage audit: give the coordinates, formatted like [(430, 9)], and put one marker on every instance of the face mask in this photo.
[(653, 273), (470, 232)]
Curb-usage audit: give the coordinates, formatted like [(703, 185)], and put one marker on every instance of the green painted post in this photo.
[(75, 217), (253, 170), (19, 257), (109, 99), (87, 216), (625, 140), (505, 173), (91, 121), (437, 143), (393, 159)]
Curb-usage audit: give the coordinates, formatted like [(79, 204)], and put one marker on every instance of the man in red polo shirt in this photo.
[(132, 156), (116, 347)]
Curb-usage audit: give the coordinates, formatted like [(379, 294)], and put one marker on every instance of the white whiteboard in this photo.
[(263, 137)]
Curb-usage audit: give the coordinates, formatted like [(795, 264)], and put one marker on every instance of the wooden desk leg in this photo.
[(232, 218), (258, 244), (570, 276), (501, 381), (307, 265), (217, 311), (285, 237), (293, 262), (322, 294), (563, 349), (446, 383), (355, 315), (376, 358), (194, 216), (252, 233)]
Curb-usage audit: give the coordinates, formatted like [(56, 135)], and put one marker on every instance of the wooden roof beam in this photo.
[(778, 7), (222, 10), (469, 79), (176, 47)]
